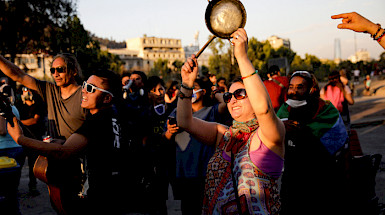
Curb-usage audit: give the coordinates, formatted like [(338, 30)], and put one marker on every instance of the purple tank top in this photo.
[(265, 159)]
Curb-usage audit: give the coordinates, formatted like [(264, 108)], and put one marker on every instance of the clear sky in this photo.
[(306, 23)]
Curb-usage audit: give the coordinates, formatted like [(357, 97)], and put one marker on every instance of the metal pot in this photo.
[(223, 17)]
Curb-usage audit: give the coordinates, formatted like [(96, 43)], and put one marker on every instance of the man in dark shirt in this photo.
[(95, 138)]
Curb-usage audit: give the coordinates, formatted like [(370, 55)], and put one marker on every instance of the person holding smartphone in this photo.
[(192, 155)]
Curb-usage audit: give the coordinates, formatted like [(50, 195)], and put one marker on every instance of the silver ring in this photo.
[(237, 37)]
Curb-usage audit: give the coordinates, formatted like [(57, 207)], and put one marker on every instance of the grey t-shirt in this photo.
[(65, 116)]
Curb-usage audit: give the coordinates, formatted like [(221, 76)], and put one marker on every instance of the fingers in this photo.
[(342, 15), (239, 35), (190, 64), (343, 26)]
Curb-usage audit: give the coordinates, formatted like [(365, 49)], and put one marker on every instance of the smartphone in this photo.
[(171, 120)]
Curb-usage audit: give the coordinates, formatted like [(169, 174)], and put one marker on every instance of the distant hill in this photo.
[(111, 44)]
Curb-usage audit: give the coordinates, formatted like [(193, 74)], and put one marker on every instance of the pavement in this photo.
[(367, 116)]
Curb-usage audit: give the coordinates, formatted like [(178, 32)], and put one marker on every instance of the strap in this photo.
[(279, 83)]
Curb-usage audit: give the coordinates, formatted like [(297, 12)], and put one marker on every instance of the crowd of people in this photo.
[(119, 142)]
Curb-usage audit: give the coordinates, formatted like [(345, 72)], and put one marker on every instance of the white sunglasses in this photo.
[(91, 88)]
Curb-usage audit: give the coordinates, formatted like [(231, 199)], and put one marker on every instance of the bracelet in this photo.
[(250, 75), (380, 37), (378, 30), (181, 95), (186, 87)]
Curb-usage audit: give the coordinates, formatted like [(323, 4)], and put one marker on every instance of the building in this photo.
[(203, 59), (337, 51), (276, 42), (36, 65), (361, 55), (141, 53)]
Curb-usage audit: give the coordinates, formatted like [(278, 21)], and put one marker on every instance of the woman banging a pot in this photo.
[(242, 174)]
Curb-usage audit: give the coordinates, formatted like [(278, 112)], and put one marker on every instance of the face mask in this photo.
[(160, 109), (194, 95), (296, 103)]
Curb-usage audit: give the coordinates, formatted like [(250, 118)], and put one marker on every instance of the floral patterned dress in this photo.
[(258, 192)]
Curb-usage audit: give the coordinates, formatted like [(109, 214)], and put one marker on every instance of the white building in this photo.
[(203, 59), (276, 42), (361, 55), (36, 65), (141, 53)]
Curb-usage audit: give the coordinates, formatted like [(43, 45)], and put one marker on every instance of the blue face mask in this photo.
[(160, 109), (194, 95)]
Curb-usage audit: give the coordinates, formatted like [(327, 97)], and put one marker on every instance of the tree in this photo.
[(27, 26), (160, 69), (220, 63), (73, 38)]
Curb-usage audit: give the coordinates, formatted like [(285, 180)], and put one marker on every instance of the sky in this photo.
[(306, 23)]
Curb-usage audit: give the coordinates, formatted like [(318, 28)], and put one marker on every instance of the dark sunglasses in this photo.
[(91, 88), (238, 95), (58, 69)]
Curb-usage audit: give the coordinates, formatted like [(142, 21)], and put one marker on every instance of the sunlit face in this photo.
[(137, 81), (61, 79), (298, 89), (156, 95), (240, 110), (93, 101)]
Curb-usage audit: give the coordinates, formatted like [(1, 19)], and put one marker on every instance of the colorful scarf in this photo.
[(240, 132)]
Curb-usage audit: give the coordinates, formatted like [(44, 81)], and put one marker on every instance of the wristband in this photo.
[(181, 95), (186, 87), (378, 30), (380, 37), (250, 75)]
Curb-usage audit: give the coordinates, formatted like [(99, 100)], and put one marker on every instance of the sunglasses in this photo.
[(58, 69), (91, 88), (238, 95)]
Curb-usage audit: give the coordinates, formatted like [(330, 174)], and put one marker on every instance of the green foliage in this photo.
[(87, 50), (160, 69), (50, 26), (221, 63), (28, 26)]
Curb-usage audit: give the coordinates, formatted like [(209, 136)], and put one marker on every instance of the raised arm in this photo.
[(358, 23), (15, 73), (272, 130), (206, 132)]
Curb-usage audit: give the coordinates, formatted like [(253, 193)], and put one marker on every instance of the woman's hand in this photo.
[(189, 71), (15, 131), (240, 43)]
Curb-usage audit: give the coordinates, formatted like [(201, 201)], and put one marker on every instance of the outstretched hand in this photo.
[(355, 22), (189, 71)]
